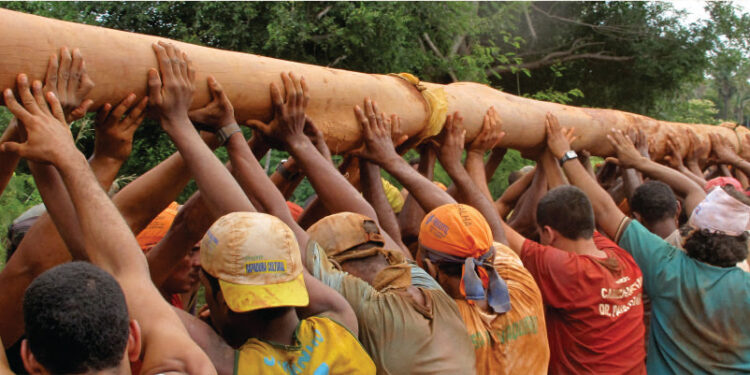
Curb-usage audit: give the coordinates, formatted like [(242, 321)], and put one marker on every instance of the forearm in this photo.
[(472, 196), (254, 181), (109, 242), (742, 177), (372, 189), (149, 194), (59, 208), (222, 193), (742, 165), (631, 179), (515, 190), (474, 164), (682, 185), (608, 216), (105, 169), (424, 191), (552, 170), (189, 226), (287, 184), (687, 172), (694, 167), (8, 160), (334, 191), (496, 157)]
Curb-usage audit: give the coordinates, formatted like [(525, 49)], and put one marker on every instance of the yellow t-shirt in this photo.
[(514, 342), (323, 347)]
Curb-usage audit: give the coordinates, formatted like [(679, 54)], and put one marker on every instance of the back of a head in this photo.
[(567, 210), (654, 201), (76, 319)]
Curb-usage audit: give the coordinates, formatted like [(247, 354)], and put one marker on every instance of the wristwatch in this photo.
[(225, 132), (570, 154), (286, 173)]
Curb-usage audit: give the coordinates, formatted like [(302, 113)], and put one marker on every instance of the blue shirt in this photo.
[(700, 320)]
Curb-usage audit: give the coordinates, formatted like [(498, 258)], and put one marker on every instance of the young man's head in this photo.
[(720, 228), (77, 322), (564, 212), (456, 244), (184, 277), (354, 243), (654, 202), (251, 267)]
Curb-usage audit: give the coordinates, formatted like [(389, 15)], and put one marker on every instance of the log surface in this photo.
[(118, 62)]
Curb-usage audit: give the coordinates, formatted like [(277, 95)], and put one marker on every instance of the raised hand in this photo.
[(638, 136), (558, 140), (675, 157), (376, 133), (171, 88), (317, 138), (288, 124), (723, 150), (115, 128), (48, 138), (627, 155), (70, 82), (219, 112), (489, 136), (453, 140), (698, 150)]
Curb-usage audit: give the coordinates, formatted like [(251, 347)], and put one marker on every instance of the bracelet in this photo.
[(226, 132), (286, 173)]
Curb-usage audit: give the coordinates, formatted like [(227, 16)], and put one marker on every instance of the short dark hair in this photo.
[(76, 319), (654, 201), (567, 210), (720, 250)]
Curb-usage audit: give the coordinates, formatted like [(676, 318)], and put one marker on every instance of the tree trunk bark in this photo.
[(118, 62)]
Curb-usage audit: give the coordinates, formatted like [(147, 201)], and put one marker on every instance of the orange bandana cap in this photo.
[(456, 229), (157, 228), (295, 210)]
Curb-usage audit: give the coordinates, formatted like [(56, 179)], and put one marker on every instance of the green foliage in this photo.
[(19, 195)]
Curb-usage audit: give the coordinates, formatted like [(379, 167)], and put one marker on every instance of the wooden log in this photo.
[(118, 61)]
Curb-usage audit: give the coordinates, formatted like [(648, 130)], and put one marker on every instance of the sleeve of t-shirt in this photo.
[(649, 251), (355, 290), (555, 272), (421, 279)]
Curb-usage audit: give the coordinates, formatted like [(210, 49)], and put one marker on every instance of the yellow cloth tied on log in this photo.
[(437, 102)]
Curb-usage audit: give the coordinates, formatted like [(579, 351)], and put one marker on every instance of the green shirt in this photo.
[(700, 320)]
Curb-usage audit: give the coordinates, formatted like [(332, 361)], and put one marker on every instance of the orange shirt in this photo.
[(514, 342)]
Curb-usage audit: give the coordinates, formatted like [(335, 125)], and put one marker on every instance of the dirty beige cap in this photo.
[(257, 261), (342, 231)]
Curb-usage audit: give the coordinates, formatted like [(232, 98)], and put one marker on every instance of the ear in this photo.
[(134, 341), (679, 211), (430, 268), (551, 234), (29, 362), (638, 216)]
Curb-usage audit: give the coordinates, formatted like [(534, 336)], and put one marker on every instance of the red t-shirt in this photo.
[(594, 311)]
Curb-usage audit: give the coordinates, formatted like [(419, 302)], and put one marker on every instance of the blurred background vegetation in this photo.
[(644, 57)]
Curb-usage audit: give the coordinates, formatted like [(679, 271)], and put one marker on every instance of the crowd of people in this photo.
[(627, 267)]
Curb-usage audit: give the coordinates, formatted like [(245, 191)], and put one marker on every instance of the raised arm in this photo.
[(608, 216), (411, 215), (726, 154), (379, 149), (109, 242), (172, 98), (628, 157), (8, 160), (372, 190), (675, 158), (450, 158), (512, 193), (4, 366), (489, 136)]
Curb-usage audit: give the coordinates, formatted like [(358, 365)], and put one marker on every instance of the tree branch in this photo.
[(434, 48)]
